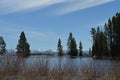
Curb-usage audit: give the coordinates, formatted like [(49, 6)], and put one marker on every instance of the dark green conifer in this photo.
[(23, 47), (59, 48), (2, 45), (80, 49), (72, 46)]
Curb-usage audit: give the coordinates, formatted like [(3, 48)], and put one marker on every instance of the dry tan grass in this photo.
[(14, 68)]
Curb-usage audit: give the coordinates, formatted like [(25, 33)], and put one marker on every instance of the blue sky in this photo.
[(44, 21)]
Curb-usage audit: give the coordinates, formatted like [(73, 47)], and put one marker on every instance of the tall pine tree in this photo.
[(2, 45), (23, 47), (72, 46), (80, 49), (59, 48), (107, 42), (109, 35), (93, 33), (99, 48), (69, 43)]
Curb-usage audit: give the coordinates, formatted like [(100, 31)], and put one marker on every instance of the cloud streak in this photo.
[(80, 5), (8, 6)]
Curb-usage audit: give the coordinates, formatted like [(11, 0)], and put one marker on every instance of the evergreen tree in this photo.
[(93, 33), (103, 45), (100, 48), (69, 43), (73, 48), (2, 46), (109, 35), (80, 49), (107, 42), (114, 51), (116, 35), (98, 43), (59, 48), (23, 48)]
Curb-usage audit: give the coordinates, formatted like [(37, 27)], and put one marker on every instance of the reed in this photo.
[(15, 68)]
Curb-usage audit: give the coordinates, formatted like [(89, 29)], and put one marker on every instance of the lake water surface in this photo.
[(100, 65)]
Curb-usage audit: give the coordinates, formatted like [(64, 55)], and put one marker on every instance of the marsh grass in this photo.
[(10, 67), (15, 68)]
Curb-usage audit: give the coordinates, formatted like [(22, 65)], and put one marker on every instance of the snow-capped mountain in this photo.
[(50, 51), (40, 52)]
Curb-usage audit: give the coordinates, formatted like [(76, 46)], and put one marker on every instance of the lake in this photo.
[(100, 65)]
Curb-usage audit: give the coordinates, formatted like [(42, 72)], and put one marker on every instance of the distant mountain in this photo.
[(40, 52), (50, 51)]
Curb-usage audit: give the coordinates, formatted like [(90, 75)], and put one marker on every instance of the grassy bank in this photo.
[(13, 68)]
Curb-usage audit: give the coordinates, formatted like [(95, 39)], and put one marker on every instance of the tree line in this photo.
[(71, 47), (23, 47), (106, 41)]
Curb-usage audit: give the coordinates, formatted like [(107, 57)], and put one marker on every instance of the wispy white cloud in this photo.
[(80, 5), (8, 6)]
